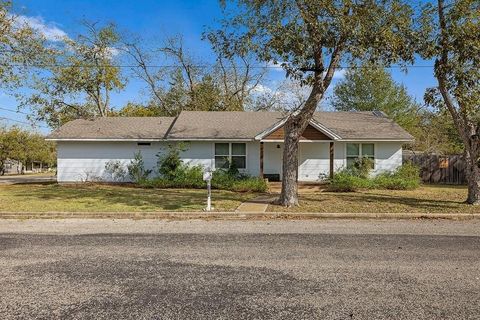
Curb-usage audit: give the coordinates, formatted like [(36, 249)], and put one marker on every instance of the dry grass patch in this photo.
[(108, 198), (426, 199)]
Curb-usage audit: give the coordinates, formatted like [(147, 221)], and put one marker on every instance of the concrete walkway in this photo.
[(258, 204)]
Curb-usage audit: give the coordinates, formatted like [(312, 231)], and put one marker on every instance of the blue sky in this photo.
[(156, 19)]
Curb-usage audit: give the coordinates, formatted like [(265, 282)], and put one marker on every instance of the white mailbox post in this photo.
[(207, 176)]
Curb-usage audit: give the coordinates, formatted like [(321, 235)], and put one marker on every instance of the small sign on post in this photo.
[(207, 176)]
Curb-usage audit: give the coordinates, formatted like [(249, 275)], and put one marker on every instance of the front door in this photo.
[(313, 161)]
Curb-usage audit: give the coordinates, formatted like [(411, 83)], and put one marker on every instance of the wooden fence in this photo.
[(439, 169)]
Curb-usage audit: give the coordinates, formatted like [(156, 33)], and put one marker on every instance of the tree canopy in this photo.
[(370, 88), (78, 78), (24, 146), (310, 39), (20, 45)]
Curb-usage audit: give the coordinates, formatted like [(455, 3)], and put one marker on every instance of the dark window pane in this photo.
[(221, 149), (353, 149), (368, 150), (221, 162), (239, 161), (239, 149)]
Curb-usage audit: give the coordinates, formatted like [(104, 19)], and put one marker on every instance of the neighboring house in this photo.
[(12, 167), (253, 140)]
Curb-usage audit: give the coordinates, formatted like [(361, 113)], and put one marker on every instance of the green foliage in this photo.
[(184, 177), (362, 167), (227, 85), (116, 170), (25, 146), (20, 46), (170, 163), (78, 79), (301, 33), (136, 169), (368, 88), (406, 177), (192, 177), (138, 110), (348, 181), (173, 173)]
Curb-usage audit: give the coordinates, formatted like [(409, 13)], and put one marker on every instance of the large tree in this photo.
[(453, 41), (77, 78), (178, 80), (370, 87), (310, 38), (20, 46)]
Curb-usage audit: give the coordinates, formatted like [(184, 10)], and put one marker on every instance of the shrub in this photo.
[(192, 177), (116, 170), (405, 177), (136, 169), (348, 181), (169, 163), (362, 167), (250, 184)]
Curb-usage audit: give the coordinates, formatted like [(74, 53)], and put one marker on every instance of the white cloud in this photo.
[(49, 30), (339, 74), (260, 89)]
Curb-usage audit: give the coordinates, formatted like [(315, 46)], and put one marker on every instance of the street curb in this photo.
[(230, 215)]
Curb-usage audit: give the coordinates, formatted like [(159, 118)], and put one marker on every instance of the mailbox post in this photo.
[(207, 176)]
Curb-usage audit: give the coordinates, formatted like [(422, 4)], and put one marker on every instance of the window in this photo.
[(235, 153), (359, 150)]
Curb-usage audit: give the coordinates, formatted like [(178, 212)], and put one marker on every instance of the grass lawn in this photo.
[(433, 199), (104, 198)]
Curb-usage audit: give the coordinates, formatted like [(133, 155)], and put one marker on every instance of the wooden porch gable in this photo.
[(310, 133)]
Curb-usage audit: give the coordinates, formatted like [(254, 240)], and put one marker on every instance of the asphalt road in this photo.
[(94, 269)]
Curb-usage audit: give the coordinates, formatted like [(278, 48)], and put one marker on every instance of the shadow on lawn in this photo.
[(413, 203), (128, 196)]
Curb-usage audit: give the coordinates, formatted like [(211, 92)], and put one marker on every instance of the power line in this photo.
[(15, 111), (22, 122), (195, 66)]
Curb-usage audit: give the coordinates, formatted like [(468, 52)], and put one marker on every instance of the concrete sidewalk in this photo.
[(258, 204)]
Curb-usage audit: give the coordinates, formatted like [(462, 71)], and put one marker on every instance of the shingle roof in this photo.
[(362, 125), (115, 128), (222, 125), (190, 125)]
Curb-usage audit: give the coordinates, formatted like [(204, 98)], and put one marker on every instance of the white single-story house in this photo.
[(252, 140)]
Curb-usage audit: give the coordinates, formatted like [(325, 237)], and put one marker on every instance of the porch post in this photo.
[(331, 159), (261, 159)]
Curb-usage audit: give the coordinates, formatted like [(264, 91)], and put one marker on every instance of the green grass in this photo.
[(107, 198), (426, 199)]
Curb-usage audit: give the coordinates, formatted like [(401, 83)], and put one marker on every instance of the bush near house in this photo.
[(352, 179), (173, 173)]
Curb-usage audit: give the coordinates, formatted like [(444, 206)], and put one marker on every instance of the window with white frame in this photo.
[(235, 153), (356, 151)]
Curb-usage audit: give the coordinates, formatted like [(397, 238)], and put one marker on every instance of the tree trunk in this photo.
[(473, 176), (289, 195), (293, 128)]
